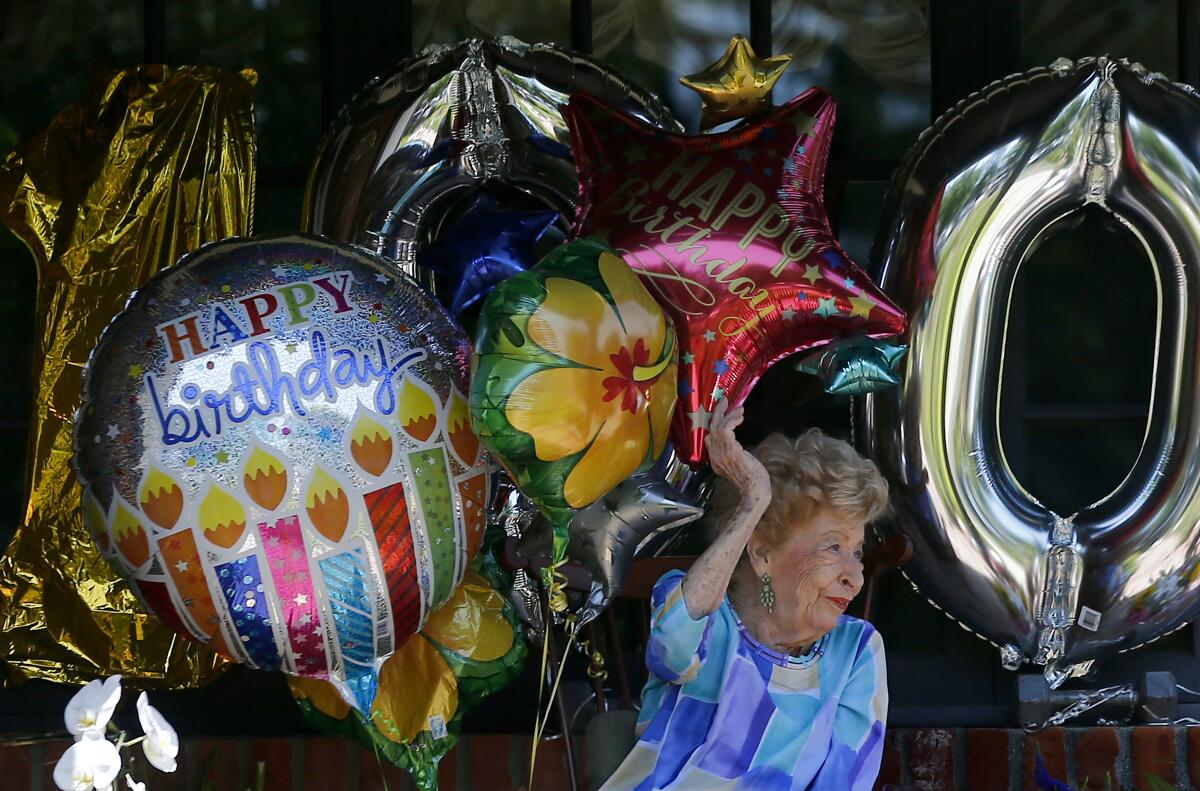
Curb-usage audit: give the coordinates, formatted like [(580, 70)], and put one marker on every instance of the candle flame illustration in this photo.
[(222, 518), (462, 437), (161, 499), (370, 445), (417, 412), (265, 478), (327, 505), (130, 536), (95, 520)]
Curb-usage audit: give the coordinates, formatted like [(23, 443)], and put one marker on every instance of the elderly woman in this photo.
[(758, 678)]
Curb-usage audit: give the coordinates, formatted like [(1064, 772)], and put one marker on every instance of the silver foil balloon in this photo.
[(444, 125), (978, 192), (642, 516), (692, 485), (510, 510), (606, 535), (515, 514), (525, 597)]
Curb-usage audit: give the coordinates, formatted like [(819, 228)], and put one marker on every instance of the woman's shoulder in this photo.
[(667, 597), (666, 587), (854, 639)]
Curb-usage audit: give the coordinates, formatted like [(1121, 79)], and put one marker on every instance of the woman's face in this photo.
[(815, 573)]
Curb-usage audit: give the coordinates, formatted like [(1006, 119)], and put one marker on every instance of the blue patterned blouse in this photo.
[(723, 711)]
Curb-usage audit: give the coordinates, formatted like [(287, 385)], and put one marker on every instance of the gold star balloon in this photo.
[(736, 86)]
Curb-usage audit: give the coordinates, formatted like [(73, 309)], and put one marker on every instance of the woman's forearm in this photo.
[(707, 580)]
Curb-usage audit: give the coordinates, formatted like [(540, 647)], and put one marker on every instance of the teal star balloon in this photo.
[(855, 366)]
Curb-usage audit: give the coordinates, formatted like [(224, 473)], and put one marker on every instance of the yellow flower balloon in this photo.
[(575, 378), (615, 401)]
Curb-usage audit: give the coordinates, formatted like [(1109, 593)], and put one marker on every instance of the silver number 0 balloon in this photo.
[(976, 194)]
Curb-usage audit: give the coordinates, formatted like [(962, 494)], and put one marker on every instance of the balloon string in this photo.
[(596, 668), (541, 694), (379, 763), (557, 583), (544, 717)]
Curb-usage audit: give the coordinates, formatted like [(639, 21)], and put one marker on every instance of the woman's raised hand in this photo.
[(733, 462)]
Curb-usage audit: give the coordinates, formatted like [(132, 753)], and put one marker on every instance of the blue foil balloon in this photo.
[(487, 245)]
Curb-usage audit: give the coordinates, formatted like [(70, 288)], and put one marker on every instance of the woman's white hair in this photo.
[(810, 472)]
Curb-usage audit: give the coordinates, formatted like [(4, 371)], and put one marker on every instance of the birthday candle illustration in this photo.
[(417, 412), (327, 505), (432, 478), (241, 584), (462, 438), (283, 543), (95, 520), (181, 557), (346, 583), (130, 536), (387, 509), (472, 494), (265, 478), (221, 517), (370, 445), (161, 498), (157, 597)]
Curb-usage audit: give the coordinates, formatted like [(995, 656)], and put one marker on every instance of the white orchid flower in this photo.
[(161, 744), (92, 707), (90, 763), (134, 785)]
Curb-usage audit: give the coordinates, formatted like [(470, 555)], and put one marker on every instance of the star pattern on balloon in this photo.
[(729, 233), (486, 245), (737, 85)]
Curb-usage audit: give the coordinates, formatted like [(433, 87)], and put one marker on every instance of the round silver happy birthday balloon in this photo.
[(448, 123), (995, 176), (276, 451)]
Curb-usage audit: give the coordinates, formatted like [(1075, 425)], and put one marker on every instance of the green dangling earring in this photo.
[(768, 593)]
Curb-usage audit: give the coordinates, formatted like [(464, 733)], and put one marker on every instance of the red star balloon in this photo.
[(729, 232)]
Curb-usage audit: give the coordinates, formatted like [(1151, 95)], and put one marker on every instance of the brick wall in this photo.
[(987, 759), (933, 759)]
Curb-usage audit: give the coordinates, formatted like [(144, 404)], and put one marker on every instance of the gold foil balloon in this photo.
[(159, 162), (736, 86)]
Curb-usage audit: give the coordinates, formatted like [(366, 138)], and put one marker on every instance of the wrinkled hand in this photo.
[(733, 462)]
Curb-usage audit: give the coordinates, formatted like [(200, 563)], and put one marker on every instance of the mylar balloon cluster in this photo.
[(575, 378), (275, 448), (729, 231)]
